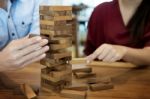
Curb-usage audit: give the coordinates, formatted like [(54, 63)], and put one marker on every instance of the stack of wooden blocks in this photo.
[(54, 26)]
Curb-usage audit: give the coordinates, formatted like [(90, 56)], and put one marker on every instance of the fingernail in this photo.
[(46, 47)]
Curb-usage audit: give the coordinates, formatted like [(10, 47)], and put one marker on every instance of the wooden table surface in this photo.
[(129, 83)]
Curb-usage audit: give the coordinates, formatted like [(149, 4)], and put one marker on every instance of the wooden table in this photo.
[(129, 83)]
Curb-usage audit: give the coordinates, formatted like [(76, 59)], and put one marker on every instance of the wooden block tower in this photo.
[(57, 73)]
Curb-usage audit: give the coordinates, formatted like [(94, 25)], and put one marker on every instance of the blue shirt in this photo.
[(20, 19)]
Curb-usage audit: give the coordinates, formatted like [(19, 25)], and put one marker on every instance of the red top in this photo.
[(106, 26)]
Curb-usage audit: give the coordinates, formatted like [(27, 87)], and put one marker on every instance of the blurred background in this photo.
[(82, 10)]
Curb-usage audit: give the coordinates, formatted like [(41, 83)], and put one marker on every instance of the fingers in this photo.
[(34, 60), (32, 48), (106, 53), (25, 42), (95, 54), (34, 54), (110, 56)]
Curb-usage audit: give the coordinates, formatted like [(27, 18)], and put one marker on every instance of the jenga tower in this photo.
[(54, 26)]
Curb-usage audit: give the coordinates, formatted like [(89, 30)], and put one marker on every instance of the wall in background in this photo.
[(91, 3)]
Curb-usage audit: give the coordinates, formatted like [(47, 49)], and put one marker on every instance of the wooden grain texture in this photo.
[(73, 94), (129, 83), (103, 64), (56, 8), (77, 87), (96, 80), (27, 91), (86, 69), (80, 75), (101, 86), (60, 46)]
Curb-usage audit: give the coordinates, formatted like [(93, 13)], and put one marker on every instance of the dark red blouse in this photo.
[(106, 26)]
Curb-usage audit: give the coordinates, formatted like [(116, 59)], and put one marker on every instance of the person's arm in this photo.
[(22, 52), (35, 26), (138, 56), (112, 53)]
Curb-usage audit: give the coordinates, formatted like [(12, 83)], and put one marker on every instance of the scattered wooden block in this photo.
[(84, 75), (101, 86), (78, 87), (73, 94), (105, 80), (86, 69), (27, 91)]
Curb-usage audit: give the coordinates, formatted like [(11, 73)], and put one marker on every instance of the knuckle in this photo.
[(17, 63)]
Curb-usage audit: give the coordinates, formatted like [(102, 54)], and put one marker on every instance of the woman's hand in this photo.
[(108, 53), (22, 52), (3, 4)]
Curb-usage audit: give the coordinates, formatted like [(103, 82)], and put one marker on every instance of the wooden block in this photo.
[(56, 13), (60, 46), (73, 94), (56, 8), (104, 64), (50, 88), (56, 33), (67, 27), (86, 69), (105, 80), (52, 23), (61, 55), (51, 62), (27, 91), (60, 67), (84, 75), (48, 82), (78, 87), (61, 74), (59, 18), (101, 86), (60, 40), (33, 35), (53, 79)]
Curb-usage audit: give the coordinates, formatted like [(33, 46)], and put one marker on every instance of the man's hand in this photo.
[(108, 53), (22, 52), (3, 4)]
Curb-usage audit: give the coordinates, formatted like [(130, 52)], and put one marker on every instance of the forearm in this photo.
[(138, 56)]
